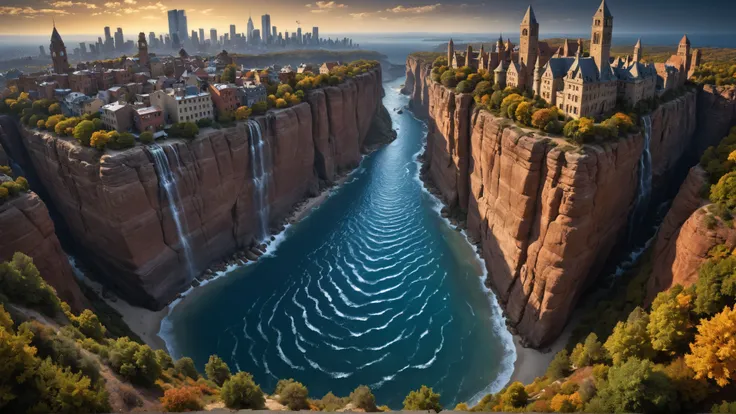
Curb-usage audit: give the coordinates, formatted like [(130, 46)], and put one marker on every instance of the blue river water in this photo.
[(373, 287)]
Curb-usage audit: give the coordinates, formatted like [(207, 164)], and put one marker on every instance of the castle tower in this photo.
[(143, 50), (537, 86), (600, 39), (58, 53), (637, 51), (450, 52), (469, 56), (501, 49), (581, 47), (683, 51), (529, 40)]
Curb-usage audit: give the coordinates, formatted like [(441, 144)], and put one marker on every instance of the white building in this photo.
[(182, 106)]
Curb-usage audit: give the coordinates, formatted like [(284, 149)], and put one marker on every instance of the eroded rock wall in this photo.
[(716, 114), (118, 213), (546, 217)]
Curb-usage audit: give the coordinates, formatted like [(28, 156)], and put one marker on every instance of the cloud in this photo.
[(207, 11), (308, 5), (150, 17), (129, 10), (330, 5), (130, 1), (157, 6), (112, 4), (29, 12), (65, 4), (362, 15), (414, 10)]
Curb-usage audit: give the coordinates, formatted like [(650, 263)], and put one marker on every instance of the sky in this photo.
[(72, 17)]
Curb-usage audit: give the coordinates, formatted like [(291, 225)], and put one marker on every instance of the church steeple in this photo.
[(637, 51), (58, 52), (450, 52), (143, 50), (529, 39), (600, 39)]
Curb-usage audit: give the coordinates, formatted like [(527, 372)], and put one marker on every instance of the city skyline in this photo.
[(468, 16)]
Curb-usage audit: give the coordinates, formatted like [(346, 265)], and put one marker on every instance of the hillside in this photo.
[(297, 57)]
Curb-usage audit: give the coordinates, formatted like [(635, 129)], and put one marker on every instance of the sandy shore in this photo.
[(531, 363)]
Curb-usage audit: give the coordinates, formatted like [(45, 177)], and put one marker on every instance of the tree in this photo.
[(496, 99), (185, 366), (448, 79), (560, 366), (281, 103), (260, 108), (464, 87), (243, 113), (21, 282), (187, 130), (293, 394), (217, 370), (509, 105), (588, 353), (713, 353), (241, 392), (164, 359), (90, 325), (724, 192), (99, 140), (146, 137), (364, 399), (716, 283), (182, 399), (635, 387), (669, 321), (630, 338), (544, 116), (54, 109), (136, 362), (83, 132), (690, 391), (228, 74), (515, 396), (523, 113), (423, 399)]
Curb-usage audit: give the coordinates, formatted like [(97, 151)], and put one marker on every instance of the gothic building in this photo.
[(579, 86), (143, 59), (58, 53)]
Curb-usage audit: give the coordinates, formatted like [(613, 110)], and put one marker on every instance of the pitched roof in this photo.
[(683, 41), (529, 17), (603, 8), (560, 66), (586, 68), (55, 36)]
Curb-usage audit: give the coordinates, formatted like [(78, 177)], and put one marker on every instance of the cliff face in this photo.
[(27, 228), (716, 114), (118, 212), (417, 85), (546, 218)]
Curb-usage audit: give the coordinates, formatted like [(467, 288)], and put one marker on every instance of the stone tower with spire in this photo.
[(58, 53), (683, 51), (537, 84), (637, 51), (529, 40), (600, 39), (450, 52), (143, 50)]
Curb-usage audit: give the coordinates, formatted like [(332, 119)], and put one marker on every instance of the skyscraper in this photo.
[(265, 28), (119, 39), (232, 33), (213, 36), (299, 35), (250, 29), (201, 35), (315, 35), (173, 22), (274, 35), (152, 39), (178, 24)]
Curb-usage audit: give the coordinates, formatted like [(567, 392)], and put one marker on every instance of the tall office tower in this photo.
[(201, 35), (274, 34), (152, 39), (83, 49), (299, 35), (250, 29), (173, 22), (225, 39), (213, 36), (107, 32), (195, 38), (119, 39), (315, 35), (41, 51), (232, 33), (175, 41), (265, 28), (182, 25), (256, 37)]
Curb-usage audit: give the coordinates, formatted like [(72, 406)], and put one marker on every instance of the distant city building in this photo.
[(265, 28), (178, 28), (213, 36), (315, 35), (251, 27), (42, 51), (143, 51), (201, 35), (119, 39)]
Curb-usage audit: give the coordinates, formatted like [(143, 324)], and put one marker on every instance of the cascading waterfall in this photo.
[(644, 190), (261, 167), (167, 181)]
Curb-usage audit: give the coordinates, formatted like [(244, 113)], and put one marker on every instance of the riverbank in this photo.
[(532, 363)]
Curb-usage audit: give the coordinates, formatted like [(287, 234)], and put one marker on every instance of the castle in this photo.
[(579, 86)]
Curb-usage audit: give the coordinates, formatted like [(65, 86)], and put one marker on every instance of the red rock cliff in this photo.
[(121, 218), (546, 218)]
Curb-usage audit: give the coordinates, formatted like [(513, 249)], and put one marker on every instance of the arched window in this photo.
[(597, 38), (524, 32), (53, 54), (597, 22)]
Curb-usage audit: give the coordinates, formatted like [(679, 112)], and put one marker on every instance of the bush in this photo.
[(99, 140), (22, 183), (21, 282), (182, 399), (423, 399), (448, 79), (185, 367), (204, 123), (259, 108), (241, 392), (243, 113), (464, 87), (292, 394), (186, 130), (83, 132), (88, 323), (55, 109), (724, 192), (136, 362), (281, 103), (12, 187), (164, 359), (217, 370), (580, 131), (560, 366), (635, 387), (523, 113), (146, 138), (4, 194), (364, 399), (543, 117)]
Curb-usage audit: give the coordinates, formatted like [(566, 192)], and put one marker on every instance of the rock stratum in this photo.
[(120, 217), (546, 216)]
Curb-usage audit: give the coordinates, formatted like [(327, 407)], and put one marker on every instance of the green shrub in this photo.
[(22, 183), (423, 399), (164, 359), (83, 132), (12, 187), (448, 79), (217, 370), (464, 87), (135, 362), (89, 325), (330, 402), (146, 137), (185, 366), (364, 399), (240, 392), (21, 282), (4, 194), (724, 192), (292, 394), (186, 130), (560, 366)]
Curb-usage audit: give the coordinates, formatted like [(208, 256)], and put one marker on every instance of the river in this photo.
[(373, 287)]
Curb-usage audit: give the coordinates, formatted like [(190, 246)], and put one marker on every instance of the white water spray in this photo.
[(644, 190), (167, 182), (261, 167)]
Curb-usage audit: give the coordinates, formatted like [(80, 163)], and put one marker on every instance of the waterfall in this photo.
[(644, 190), (167, 182), (260, 166)]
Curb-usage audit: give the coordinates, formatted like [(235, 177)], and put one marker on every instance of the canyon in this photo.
[(136, 238), (545, 215)]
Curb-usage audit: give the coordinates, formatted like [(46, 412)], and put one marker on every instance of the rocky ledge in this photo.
[(121, 219)]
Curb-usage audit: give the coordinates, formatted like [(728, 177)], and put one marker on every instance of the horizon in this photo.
[(362, 18)]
